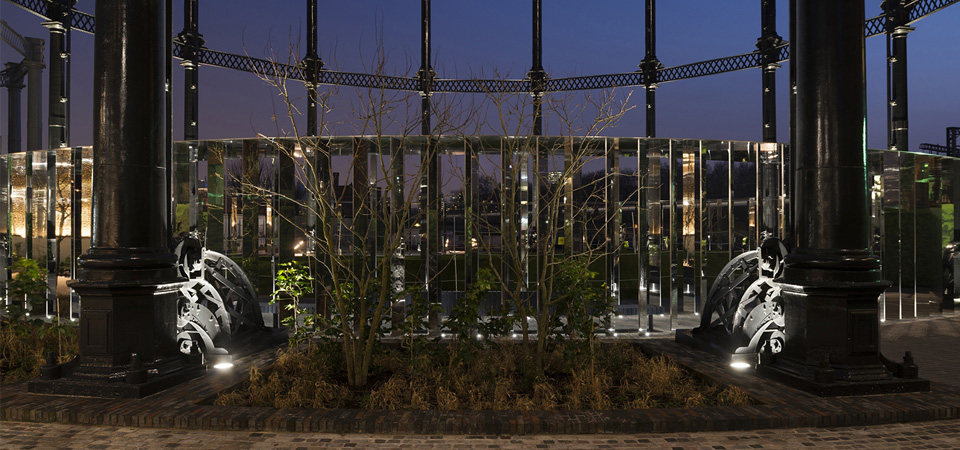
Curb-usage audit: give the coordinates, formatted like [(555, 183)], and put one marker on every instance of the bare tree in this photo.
[(358, 238), (542, 203)]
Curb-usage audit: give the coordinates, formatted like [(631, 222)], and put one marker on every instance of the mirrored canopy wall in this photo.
[(656, 218)]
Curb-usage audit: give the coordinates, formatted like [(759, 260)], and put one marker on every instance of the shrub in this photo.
[(294, 281), (27, 290)]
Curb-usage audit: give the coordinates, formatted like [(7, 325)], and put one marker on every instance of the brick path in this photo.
[(940, 434)]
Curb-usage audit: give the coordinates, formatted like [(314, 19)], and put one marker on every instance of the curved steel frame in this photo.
[(217, 299), (745, 301)]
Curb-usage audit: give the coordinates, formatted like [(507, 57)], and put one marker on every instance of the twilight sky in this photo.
[(478, 38)]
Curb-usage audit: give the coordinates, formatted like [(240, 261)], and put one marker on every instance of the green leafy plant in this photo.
[(465, 322), (294, 282), (583, 306), (28, 288), (415, 327)]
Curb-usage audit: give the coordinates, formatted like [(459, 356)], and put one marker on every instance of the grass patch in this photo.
[(501, 377)]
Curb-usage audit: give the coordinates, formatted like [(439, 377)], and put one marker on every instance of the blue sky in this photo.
[(473, 37)]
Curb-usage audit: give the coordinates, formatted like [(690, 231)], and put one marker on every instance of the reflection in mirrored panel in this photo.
[(655, 219)]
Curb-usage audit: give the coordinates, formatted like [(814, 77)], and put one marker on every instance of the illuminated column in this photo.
[(471, 168), (674, 286), (643, 232), (76, 219), (832, 281), (398, 211), (507, 221), (430, 240), (128, 279), (613, 224)]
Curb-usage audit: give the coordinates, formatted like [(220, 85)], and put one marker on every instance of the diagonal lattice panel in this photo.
[(875, 26), (711, 67), (83, 21), (14, 39), (245, 63), (368, 80), (38, 7), (784, 54), (481, 86), (919, 9), (595, 82), (923, 8)]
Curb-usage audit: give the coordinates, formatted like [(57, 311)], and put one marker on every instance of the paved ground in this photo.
[(934, 342), (924, 435)]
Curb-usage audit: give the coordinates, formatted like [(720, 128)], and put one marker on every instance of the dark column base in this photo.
[(118, 319), (784, 372), (833, 341), (160, 376)]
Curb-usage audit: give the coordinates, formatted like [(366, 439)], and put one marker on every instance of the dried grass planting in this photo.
[(24, 346), (502, 377)]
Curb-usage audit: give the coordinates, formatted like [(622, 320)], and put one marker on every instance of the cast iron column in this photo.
[(769, 53), (168, 98), (313, 65), (536, 75), (398, 210), (191, 42), (540, 198), (898, 15), (430, 191), (832, 280), (34, 66), (58, 134), (14, 84), (791, 160), (769, 157), (128, 278), (426, 73), (650, 65), (613, 225)]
